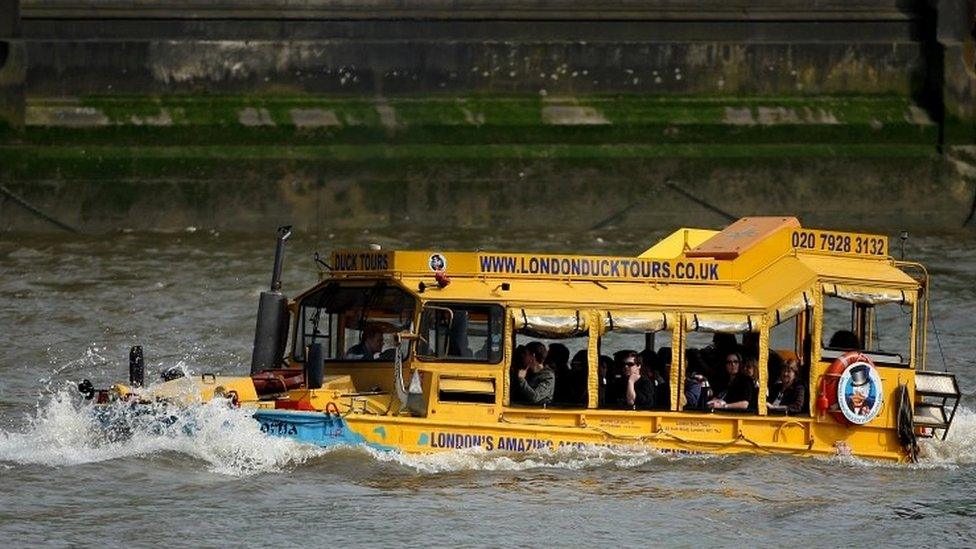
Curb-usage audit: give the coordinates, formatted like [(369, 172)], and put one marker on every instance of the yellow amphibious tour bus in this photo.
[(765, 337)]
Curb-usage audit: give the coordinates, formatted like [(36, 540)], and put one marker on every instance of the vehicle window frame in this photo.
[(462, 360)]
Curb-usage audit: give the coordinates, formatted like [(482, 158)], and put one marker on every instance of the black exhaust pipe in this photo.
[(137, 367), (271, 328), (283, 234)]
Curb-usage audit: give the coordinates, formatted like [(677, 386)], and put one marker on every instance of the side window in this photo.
[(721, 370), (889, 332), (783, 338), (789, 349), (653, 353), (839, 329), (461, 332), (549, 362), (789, 340), (567, 358), (882, 330)]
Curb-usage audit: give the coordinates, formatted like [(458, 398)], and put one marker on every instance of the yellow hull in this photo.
[(550, 430), (373, 420)]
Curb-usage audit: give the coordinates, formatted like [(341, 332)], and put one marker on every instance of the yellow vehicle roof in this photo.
[(755, 264)]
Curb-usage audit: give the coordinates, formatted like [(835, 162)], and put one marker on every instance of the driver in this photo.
[(370, 346)]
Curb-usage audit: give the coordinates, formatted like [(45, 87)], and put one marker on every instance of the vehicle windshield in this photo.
[(355, 323)]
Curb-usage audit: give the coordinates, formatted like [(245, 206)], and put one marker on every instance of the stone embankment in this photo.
[(155, 115)]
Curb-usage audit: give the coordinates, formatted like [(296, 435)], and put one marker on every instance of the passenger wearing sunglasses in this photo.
[(634, 390)]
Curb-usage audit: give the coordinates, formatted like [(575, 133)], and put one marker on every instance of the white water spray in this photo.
[(65, 433)]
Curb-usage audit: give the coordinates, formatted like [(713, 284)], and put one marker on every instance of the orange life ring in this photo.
[(856, 376)]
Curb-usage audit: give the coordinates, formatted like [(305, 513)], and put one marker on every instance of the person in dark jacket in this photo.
[(698, 390), (579, 379), (535, 383), (634, 390), (788, 394), (557, 360)]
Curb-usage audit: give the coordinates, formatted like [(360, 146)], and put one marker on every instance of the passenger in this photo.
[(741, 389), (557, 356), (557, 359), (634, 390), (750, 367), (714, 354), (369, 347), (789, 395), (579, 370), (536, 383), (698, 390), (616, 378), (604, 368), (720, 379), (664, 357), (618, 360), (657, 372), (616, 373), (845, 340)]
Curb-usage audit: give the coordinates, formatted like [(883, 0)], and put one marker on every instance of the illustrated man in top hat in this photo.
[(859, 400)]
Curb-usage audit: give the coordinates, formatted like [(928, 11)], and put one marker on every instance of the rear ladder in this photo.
[(935, 392)]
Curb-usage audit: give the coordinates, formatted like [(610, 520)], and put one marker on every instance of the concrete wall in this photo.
[(386, 47)]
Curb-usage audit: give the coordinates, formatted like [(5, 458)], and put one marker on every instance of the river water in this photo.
[(71, 306)]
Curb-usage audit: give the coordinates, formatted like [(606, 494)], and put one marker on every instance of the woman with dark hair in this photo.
[(741, 389)]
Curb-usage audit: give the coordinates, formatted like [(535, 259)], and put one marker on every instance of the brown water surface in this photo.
[(70, 308)]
